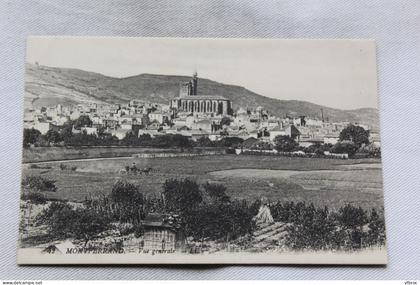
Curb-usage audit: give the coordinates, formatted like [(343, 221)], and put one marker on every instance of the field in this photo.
[(40, 154), (321, 181)]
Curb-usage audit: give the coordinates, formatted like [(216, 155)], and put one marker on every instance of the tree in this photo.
[(145, 139), (67, 132), (312, 227), (181, 141), (351, 216), (82, 121), (231, 141), (127, 203), (285, 143), (262, 145), (356, 134), (181, 196), (53, 136), (376, 232), (126, 193), (82, 140), (204, 141), (63, 221), (30, 136), (345, 147), (108, 139), (38, 184), (216, 192), (371, 149), (57, 217), (316, 148), (34, 187), (87, 224), (130, 139), (220, 220), (33, 191), (353, 219)]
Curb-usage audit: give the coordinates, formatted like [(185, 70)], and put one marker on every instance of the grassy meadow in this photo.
[(326, 182), (42, 154)]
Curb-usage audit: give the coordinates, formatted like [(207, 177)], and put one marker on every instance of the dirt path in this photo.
[(265, 173)]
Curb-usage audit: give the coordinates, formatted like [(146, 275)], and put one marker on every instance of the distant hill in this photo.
[(46, 86)]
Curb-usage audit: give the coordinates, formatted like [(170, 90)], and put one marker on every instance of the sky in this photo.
[(334, 73)]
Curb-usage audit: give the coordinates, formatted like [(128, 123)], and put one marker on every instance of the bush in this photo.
[(204, 142), (82, 121), (317, 148), (319, 228), (126, 203), (38, 184), (57, 217), (351, 217), (53, 137), (376, 232), (371, 150), (345, 147), (125, 193), (63, 221), (215, 221), (285, 143), (30, 136), (216, 192), (181, 196), (34, 197), (230, 142)]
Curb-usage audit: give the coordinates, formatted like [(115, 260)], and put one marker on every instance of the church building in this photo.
[(189, 101)]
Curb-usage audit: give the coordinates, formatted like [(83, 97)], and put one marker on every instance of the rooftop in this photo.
[(203, 97)]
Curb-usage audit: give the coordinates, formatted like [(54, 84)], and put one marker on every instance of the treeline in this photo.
[(348, 228), (73, 134), (353, 140), (350, 148), (68, 138), (206, 212)]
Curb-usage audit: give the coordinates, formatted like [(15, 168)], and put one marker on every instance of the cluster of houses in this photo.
[(191, 115)]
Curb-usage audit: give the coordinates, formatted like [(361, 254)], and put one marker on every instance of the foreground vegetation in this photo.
[(203, 212)]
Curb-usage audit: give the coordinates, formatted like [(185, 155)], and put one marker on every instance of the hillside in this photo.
[(49, 86)]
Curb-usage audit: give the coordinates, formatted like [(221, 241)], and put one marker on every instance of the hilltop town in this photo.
[(192, 115)]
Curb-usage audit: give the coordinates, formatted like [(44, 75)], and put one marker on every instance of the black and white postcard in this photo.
[(215, 151)]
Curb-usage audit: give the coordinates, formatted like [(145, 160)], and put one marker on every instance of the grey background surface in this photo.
[(394, 24)]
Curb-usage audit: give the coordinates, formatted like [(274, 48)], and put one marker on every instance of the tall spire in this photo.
[(195, 82)]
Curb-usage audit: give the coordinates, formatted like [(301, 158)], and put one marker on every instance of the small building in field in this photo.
[(162, 232)]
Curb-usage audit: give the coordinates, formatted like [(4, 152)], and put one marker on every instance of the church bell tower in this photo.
[(194, 83)]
